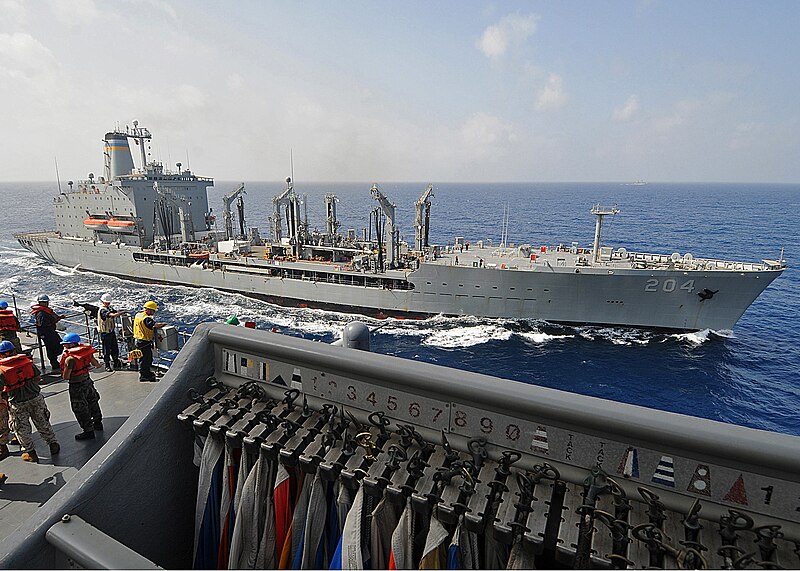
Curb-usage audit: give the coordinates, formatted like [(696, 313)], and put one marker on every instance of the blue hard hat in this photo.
[(71, 338), (6, 346), (43, 298), (3, 304)]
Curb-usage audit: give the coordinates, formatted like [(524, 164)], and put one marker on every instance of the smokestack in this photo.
[(119, 161)]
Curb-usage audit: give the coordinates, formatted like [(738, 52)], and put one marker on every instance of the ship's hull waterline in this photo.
[(656, 298)]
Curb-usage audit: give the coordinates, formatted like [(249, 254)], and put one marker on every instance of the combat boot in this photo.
[(85, 435), (30, 457), (55, 448), (4, 451)]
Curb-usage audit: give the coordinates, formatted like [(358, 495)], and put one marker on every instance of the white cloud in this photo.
[(512, 29), (13, 12), (552, 95), (626, 111), (679, 115), (24, 57), (75, 12), (161, 6), (486, 135)]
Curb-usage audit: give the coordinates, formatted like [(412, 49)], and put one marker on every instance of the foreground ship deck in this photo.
[(548, 478), (30, 486)]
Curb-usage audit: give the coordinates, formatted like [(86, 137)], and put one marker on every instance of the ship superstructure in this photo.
[(155, 224)]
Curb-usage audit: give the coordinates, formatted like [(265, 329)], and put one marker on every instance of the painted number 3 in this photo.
[(668, 285)]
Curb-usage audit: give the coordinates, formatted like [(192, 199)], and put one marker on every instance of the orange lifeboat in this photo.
[(121, 225), (199, 255), (96, 223)]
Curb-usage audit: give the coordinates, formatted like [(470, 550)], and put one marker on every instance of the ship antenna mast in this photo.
[(601, 212), (58, 180)]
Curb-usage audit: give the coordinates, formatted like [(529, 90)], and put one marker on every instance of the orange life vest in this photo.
[(17, 370), (83, 360), (8, 321), (37, 308)]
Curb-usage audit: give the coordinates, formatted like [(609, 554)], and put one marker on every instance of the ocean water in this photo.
[(749, 376)]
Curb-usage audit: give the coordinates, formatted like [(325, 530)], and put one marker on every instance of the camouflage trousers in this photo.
[(4, 429), (21, 415), (84, 399)]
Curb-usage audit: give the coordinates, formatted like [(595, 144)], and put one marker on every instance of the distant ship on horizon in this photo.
[(637, 183)]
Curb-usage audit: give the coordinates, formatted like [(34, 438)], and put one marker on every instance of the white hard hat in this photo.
[(43, 298), (106, 298)]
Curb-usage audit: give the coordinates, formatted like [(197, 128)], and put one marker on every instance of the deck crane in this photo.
[(423, 207), (393, 242), (227, 216), (287, 199)]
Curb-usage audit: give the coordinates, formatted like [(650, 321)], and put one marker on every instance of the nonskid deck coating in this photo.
[(30, 485)]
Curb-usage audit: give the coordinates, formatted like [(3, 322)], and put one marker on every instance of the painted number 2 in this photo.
[(668, 285)]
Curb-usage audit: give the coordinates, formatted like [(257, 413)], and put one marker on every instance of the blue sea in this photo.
[(749, 376)]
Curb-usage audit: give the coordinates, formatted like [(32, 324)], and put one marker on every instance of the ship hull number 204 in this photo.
[(669, 285)]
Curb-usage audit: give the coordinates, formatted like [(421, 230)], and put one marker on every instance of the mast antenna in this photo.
[(58, 178), (291, 163)]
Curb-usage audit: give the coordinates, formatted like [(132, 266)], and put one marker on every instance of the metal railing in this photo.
[(78, 321)]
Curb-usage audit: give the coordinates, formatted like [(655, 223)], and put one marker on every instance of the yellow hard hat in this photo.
[(151, 305)]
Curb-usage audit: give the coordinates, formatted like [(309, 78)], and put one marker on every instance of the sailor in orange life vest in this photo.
[(19, 379), (9, 326), (76, 361), (144, 328), (46, 320)]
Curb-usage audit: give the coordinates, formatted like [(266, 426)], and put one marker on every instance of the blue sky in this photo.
[(408, 91)]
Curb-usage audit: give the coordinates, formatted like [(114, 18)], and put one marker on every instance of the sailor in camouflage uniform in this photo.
[(19, 379), (76, 361), (4, 429)]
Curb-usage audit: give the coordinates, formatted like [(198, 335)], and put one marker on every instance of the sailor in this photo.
[(144, 327), (108, 337), (46, 320), (19, 379), (9, 326), (76, 361)]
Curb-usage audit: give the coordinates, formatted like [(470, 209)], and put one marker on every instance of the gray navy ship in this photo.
[(154, 224)]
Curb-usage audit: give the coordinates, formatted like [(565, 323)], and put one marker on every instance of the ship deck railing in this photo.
[(588, 468), (75, 320), (524, 257)]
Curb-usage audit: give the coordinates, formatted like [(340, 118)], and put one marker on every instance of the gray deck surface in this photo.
[(30, 485)]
